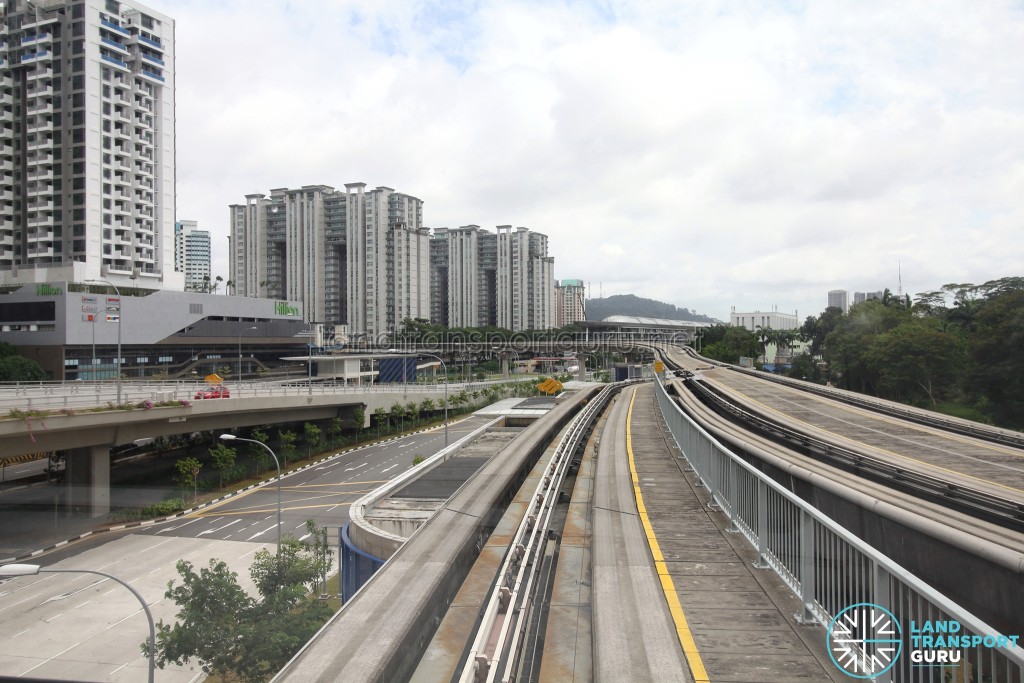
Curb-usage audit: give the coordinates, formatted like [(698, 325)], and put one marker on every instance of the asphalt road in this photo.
[(84, 628)]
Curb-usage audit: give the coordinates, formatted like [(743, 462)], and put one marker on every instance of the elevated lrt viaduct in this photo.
[(622, 570), (941, 496)]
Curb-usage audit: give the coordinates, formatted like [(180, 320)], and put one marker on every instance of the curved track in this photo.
[(993, 470)]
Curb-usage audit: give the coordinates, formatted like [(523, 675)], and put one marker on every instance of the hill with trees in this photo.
[(630, 304)]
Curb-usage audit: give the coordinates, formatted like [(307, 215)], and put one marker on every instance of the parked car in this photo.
[(213, 392)]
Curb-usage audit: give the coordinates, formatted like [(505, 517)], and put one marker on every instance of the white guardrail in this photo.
[(494, 650), (883, 623), (81, 395)]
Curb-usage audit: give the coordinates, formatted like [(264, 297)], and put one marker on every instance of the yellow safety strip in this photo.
[(700, 674)]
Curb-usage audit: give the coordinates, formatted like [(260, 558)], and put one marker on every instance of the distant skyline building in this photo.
[(571, 297), (87, 154), (192, 254), (363, 259), (773, 319), (861, 297), (839, 298)]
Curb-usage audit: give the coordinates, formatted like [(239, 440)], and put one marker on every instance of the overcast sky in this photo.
[(708, 154)]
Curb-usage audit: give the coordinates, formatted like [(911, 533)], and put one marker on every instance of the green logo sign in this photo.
[(47, 290), (282, 308)]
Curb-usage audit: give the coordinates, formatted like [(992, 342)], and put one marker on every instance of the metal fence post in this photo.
[(762, 525), (806, 562)]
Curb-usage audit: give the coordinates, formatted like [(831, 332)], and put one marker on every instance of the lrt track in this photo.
[(975, 477)]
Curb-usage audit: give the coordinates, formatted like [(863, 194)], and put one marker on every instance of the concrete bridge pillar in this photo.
[(87, 479), (504, 364), (581, 367)]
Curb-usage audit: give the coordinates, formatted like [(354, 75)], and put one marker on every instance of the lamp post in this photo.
[(10, 570), (119, 313), (232, 437), (445, 368), (240, 352)]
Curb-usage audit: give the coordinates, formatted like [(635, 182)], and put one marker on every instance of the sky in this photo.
[(751, 154)]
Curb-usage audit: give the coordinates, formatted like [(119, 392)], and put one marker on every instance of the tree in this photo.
[(397, 413), (996, 359), (237, 637), (286, 444), (379, 415), (258, 453), (337, 426), (188, 475), (312, 437), (20, 369), (916, 361), (427, 406), (223, 457)]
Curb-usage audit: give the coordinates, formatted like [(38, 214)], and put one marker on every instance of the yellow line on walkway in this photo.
[(700, 674)]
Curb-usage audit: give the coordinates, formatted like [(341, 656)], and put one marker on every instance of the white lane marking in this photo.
[(213, 531), (175, 528), (53, 618), (34, 595), (119, 668), (82, 604), (349, 469), (305, 537), (23, 673), (21, 633), (300, 526), (260, 533), (388, 469)]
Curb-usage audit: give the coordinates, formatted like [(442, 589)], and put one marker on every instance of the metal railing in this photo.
[(87, 394), (499, 634), (832, 571)]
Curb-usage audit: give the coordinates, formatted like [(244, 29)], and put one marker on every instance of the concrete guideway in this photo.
[(741, 618), (634, 637)]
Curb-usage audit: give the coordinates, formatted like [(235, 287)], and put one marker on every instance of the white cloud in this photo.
[(708, 154)]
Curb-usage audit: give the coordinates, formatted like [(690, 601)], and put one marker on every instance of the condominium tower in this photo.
[(571, 296), (503, 278), (87, 178), (358, 257), (839, 298), (192, 254)]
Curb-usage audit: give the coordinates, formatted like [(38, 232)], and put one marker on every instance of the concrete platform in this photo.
[(741, 618)]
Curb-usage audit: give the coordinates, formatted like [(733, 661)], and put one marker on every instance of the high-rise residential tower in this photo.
[(87, 179), (291, 246), (357, 257), (388, 259), (192, 254), (839, 298), (571, 296), (525, 280)]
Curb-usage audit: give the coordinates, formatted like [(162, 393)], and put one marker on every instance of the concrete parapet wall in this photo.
[(381, 634)]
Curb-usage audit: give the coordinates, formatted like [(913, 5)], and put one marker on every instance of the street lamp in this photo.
[(232, 437), (240, 352), (10, 570), (119, 313), (445, 368)]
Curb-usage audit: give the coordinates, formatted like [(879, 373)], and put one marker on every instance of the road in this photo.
[(83, 627)]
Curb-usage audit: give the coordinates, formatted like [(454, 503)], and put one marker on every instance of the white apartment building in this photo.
[(525, 297), (357, 257), (839, 298), (87, 177), (388, 259), (571, 296), (752, 320), (192, 254), (464, 293), (291, 246)]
